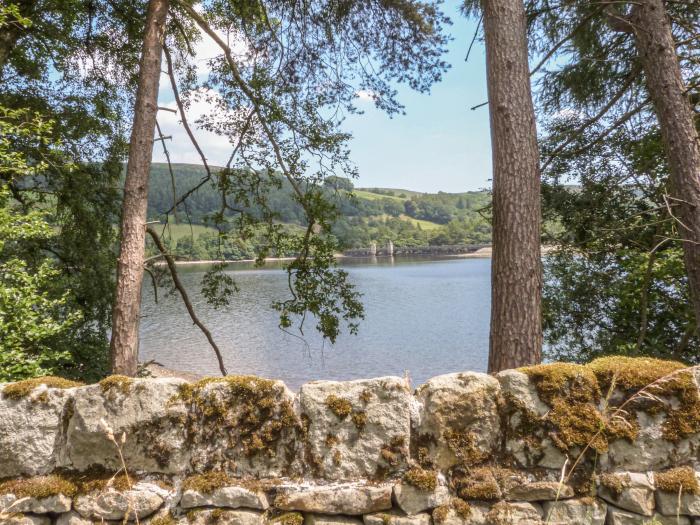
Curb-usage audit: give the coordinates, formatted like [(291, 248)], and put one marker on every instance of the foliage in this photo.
[(617, 283), (364, 216), (38, 317)]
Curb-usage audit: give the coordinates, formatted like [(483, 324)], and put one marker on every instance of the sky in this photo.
[(440, 144)]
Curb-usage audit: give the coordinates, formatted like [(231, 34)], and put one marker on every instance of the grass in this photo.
[(368, 195), (178, 231)]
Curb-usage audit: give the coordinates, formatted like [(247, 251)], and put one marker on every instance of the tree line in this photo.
[(611, 179)]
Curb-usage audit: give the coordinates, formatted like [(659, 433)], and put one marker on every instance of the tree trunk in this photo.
[(657, 53), (127, 304), (516, 267)]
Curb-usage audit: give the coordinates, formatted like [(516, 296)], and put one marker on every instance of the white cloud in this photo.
[(366, 95), (216, 148)]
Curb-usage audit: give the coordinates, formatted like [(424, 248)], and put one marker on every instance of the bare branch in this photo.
[(185, 298)]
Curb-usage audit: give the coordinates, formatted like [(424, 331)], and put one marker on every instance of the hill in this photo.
[(406, 217)]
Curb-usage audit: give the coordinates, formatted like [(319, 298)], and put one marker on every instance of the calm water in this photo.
[(426, 316)]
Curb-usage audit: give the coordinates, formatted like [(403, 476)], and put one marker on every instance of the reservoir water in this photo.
[(424, 317)]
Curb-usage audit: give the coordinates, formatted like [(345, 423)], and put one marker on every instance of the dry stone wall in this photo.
[(614, 442)]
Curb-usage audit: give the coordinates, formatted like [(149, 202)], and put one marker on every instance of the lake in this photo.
[(424, 316)]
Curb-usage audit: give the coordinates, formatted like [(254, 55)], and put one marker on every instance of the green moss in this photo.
[(564, 380), (22, 389), (668, 379), (422, 479), (615, 483), (246, 411), (359, 418), (366, 395), (574, 421), (208, 482), (631, 373), (339, 406), (440, 514), (463, 445), (116, 383), (166, 519), (288, 518), (481, 483), (681, 479), (98, 480), (462, 508), (39, 487)]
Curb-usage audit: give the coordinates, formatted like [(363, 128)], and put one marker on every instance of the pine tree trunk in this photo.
[(127, 305), (516, 267), (657, 53)]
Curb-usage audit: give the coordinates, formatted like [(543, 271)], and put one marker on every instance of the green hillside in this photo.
[(408, 218)]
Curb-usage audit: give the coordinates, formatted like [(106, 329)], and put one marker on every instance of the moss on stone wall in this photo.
[(22, 389), (39, 487)]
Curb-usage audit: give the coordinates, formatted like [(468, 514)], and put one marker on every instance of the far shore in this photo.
[(482, 253)]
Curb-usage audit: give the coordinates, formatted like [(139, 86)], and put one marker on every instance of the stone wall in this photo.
[(447, 249), (551, 444)]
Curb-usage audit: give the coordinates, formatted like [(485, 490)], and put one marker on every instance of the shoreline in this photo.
[(483, 253)]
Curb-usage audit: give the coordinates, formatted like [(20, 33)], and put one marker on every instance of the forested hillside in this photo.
[(407, 218)]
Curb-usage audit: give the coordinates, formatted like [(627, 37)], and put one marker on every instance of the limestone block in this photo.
[(458, 420), (25, 519), (624, 517), (144, 411), (243, 424), (395, 518), (413, 500), (222, 517), (515, 513), (111, 504), (636, 492), (450, 516), (324, 519), (52, 504), (231, 497), (31, 431), (356, 429), (583, 511), (72, 518), (350, 498), (540, 491)]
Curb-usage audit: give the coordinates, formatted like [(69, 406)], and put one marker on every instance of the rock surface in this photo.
[(141, 409), (52, 504), (231, 497), (72, 518), (540, 491), (477, 516), (637, 494), (25, 519), (31, 431), (458, 420), (356, 429), (623, 517), (222, 517), (323, 519), (350, 499), (512, 513), (668, 504), (584, 511), (413, 500), (111, 504), (650, 451), (394, 518)]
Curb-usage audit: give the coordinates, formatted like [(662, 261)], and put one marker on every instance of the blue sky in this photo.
[(440, 144)]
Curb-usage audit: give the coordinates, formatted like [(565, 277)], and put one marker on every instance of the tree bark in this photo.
[(127, 305), (657, 54), (516, 266)]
